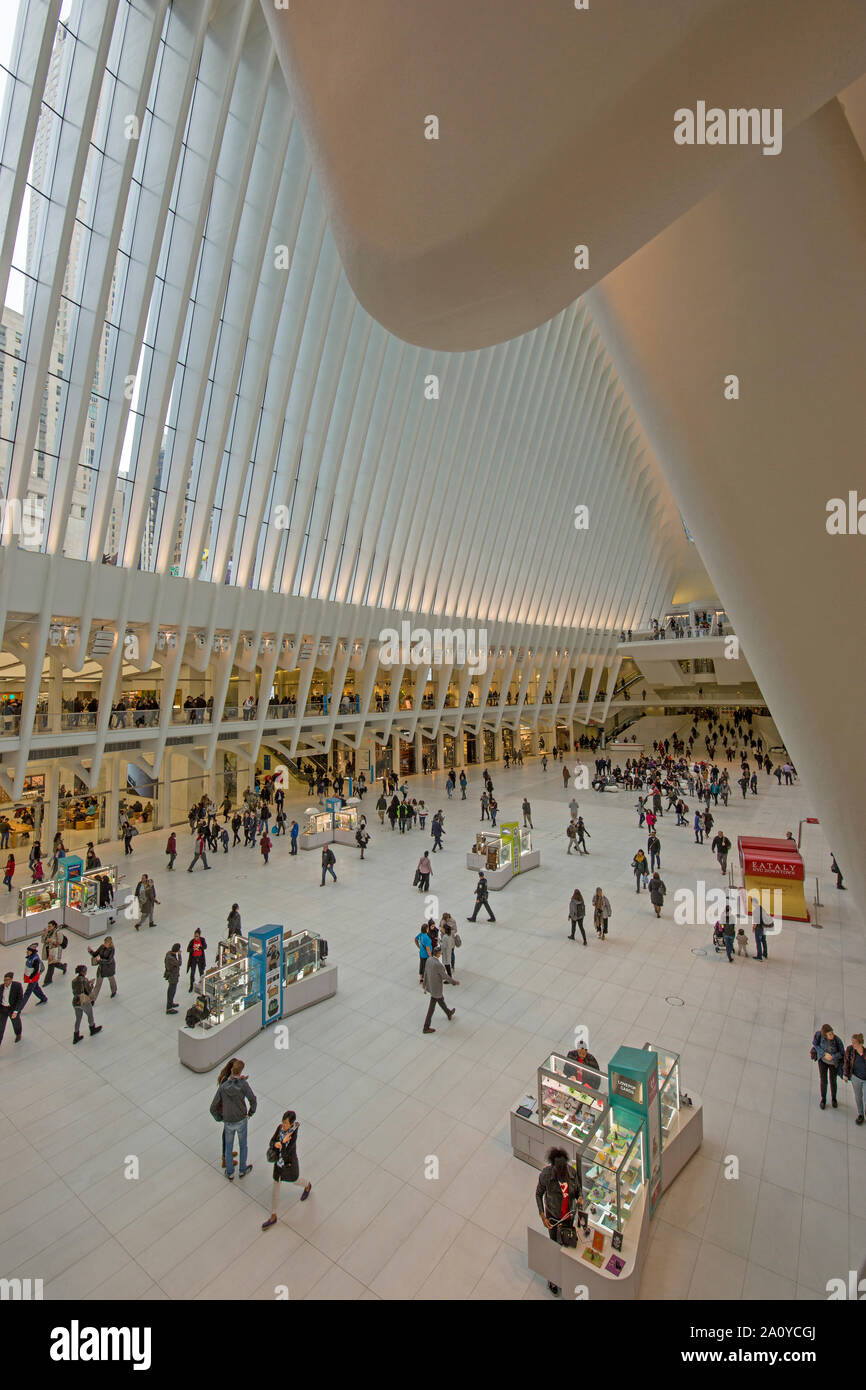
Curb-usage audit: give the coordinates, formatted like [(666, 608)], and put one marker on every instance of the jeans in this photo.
[(825, 1070), (760, 946), (729, 947), (239, 1128), (196, 857), (4, 839), (328, 869), (34, 988), (858, 1083)]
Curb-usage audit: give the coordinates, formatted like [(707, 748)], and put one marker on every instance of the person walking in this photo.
[(853, 1070), (564, 776), (196, 959), (570, 835), (423, 872), (601, 913), (293, 837), (362, 838), (283, 1154), (11, 1004), (172, 976), (237, 822), (147, 901), (576, 914), (265, 845), (434, 978), (834, 868), (230, 1106), (481, 891), (544, 762), (654, 850), (329, 859), (493, 809), (106, 968), (463, 784), (558, 1196), (641, 870), (828, 1052), (437, 826), (657, 890), (9, 872), (82, 1003), (32, 972), (721, 848), (527, 814), (171, 850), (381, 808), (53, 945), (199, 852), (233, 922)]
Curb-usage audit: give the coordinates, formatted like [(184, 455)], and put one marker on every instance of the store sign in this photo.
[(266, 953), (627, 1087)]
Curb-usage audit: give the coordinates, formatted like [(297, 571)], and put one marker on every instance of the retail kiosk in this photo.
[(337, 824), (272, 975), (771, 867), (504, 855), (631, 1133), (70, 898)]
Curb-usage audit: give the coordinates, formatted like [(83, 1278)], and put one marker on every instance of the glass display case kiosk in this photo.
[(37, 898), (256, 982), (345, 823), (82, 913), (612, 1173), (669, 1089), (31, 909), (567, 1104), (633, 1087), (504, 854), (317, 829)]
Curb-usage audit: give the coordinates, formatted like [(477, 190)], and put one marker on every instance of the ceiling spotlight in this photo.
[(55, 632), (71, 636)]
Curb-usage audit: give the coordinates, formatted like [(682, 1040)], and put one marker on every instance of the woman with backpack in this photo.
[(576, 914), (53, 945), (601, 913), (283, 1153), (828, 1052)]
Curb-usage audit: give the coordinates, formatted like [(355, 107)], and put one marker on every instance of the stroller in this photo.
[(718, 938)]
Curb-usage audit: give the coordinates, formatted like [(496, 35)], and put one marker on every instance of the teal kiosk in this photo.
[(633, 1092)]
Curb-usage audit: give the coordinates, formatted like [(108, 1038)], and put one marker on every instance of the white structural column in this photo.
[(767, 280)]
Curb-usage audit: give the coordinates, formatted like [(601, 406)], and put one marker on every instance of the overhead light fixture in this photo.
[(160, 641), (201, 640), (171, 641), (248, 644), (55, 632), (70, 636)]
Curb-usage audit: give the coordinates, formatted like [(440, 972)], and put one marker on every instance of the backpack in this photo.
[(571, 832)]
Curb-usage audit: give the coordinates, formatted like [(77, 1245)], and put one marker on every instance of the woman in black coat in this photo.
[(283, 1152), (106, 967), (558, 1196)]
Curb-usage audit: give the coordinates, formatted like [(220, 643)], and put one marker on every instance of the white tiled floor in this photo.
[(377, 1100)]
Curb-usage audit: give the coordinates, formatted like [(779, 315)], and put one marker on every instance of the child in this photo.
[(741, 943)]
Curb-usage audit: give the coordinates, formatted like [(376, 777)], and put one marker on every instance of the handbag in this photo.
[(457, 942), (417, 879), (567, 1237), (272, 1154)]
